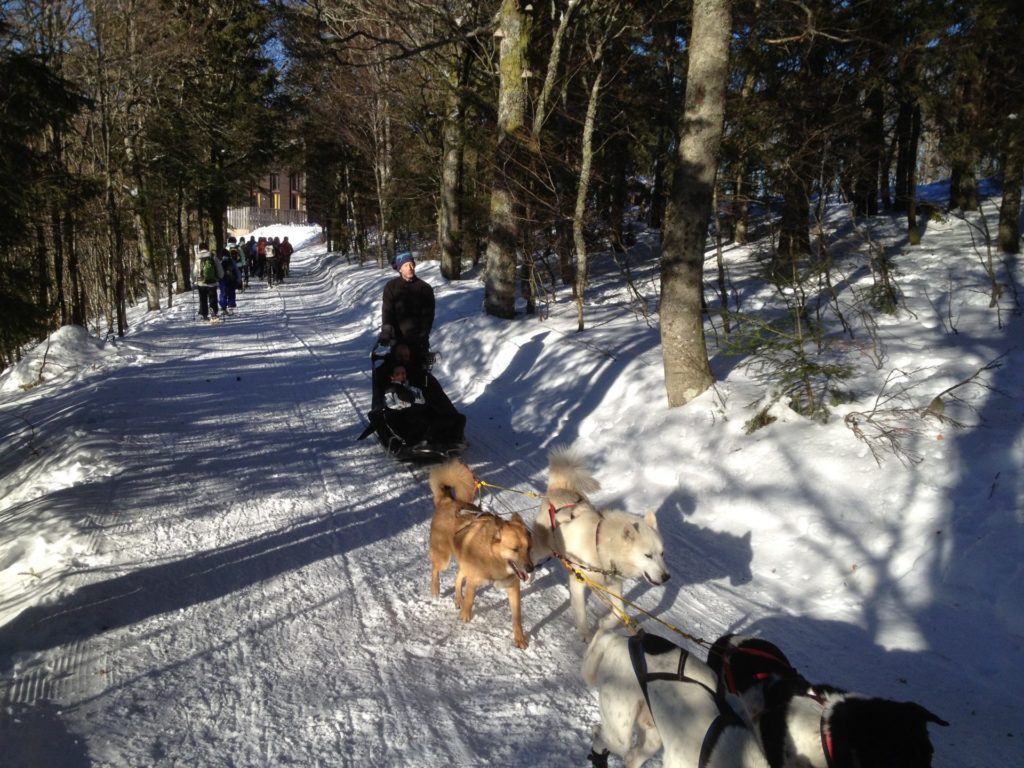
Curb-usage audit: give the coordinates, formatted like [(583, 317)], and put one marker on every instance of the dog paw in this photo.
[(520, 642)]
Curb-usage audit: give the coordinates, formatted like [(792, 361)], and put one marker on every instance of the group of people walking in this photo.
[(219, 277)]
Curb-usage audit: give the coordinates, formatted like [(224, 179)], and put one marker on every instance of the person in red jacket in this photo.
[(284, 253)]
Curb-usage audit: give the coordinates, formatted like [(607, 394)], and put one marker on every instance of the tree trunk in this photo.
[(903, 156), (183, 250), (514, 27), (582, 191), (966, 103), (78, 311), (44, 279), (913, 141), (616, 166), (1009, 210), (454, 139), (150, 268), (58, 263), (687, 370), (869, 161), (794, 236)]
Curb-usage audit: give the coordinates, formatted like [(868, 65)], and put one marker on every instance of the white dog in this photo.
[(608, 546), (656, 691)]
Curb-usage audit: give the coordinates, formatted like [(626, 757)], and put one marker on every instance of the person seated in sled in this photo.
[(406, 411), (410, 416), (452, 422)]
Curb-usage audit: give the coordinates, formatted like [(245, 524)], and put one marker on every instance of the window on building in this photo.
[(277, 201), (273, 182)]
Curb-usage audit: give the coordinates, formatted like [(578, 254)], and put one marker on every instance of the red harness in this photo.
[(553, 511)]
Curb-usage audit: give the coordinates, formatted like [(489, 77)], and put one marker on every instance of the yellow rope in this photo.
[(631, 623), (485, 484), (509, 509), (603, 593)]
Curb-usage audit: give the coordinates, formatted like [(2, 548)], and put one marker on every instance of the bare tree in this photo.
[(514, 28), (687, 371)]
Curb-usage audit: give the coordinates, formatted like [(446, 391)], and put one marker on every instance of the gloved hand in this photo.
[(386, 337)]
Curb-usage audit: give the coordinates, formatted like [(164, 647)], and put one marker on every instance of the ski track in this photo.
[(318, 592)]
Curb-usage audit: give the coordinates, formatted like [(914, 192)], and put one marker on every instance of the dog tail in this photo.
[(453, 479), (566, 472)]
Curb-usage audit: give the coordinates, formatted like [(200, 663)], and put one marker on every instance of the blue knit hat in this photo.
[(400, 259)]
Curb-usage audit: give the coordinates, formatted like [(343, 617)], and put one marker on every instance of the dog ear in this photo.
[(919, 712), (630, 530), (651, 519)]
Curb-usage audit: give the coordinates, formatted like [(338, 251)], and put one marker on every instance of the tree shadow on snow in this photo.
[(168, 587)]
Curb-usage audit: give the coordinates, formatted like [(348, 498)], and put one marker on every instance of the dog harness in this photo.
[(772, 721), (552, 512), (730, 679), (642, 643), (827, 747)]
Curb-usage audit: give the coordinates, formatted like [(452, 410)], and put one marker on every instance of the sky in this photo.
[(200, 564)]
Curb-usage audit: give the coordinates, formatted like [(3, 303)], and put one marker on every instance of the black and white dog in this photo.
[(657, 692), (817, 726)]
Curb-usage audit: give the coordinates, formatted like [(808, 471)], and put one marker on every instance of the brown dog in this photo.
[(487, 548)]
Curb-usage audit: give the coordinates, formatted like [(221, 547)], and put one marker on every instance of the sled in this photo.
[(385, 423)]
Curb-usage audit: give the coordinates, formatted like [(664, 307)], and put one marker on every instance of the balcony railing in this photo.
[(248, 219)]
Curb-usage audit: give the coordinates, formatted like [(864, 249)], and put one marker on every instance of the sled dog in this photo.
[(608, 546), (487, 548), (802, 725), (653, 694)]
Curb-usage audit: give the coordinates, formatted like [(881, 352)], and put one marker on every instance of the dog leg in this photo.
[(618, 719), (435, 578), (618, 606), (467, 600), (648, 740), (578, 602), (440, 555), (598, 750), (460, 580), (515, 603)]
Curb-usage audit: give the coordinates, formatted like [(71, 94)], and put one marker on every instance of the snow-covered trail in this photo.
[(219, 574), (259, 594)]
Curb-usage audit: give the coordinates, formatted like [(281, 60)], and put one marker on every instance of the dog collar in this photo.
[(827, 747)]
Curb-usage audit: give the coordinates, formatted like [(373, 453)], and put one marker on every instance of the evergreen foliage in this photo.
[(32, 97), (132, 127)]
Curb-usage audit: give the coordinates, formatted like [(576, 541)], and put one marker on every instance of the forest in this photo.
[(511, 135)]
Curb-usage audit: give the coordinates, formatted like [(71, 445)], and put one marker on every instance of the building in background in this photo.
[(279, 198)]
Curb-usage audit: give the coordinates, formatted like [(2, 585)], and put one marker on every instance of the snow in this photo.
[(201, 566)]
